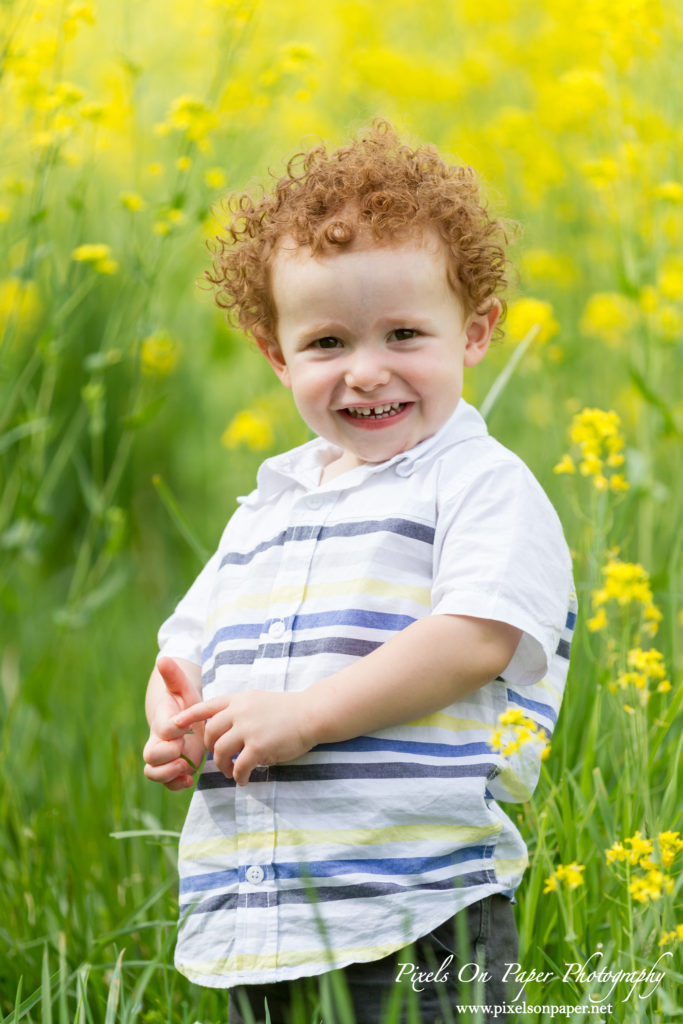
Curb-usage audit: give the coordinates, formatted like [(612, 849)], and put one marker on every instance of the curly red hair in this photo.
[(375, 185)]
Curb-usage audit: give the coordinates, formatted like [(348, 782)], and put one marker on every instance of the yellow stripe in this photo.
[(441, 720), (289, 958), (324, 837), (505, 868), (517, 789), (295, 595)]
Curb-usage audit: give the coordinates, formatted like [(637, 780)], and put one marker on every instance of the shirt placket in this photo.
[(258, 935)]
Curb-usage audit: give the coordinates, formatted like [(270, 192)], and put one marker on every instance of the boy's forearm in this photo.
[(427, 666)]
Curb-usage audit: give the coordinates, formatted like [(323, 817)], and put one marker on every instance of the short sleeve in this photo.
[(180, 636), (500, 554)]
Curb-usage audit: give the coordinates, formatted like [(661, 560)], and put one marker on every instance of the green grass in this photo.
[(114, 483)]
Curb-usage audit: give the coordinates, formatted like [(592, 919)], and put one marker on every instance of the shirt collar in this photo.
[(305, 463)]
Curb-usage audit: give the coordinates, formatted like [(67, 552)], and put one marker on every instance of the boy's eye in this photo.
[(404, 333), (326, 343)]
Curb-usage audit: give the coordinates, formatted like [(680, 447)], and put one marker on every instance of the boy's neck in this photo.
[(344, 463)]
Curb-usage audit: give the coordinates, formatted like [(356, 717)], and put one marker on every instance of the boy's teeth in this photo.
[(375, 410)]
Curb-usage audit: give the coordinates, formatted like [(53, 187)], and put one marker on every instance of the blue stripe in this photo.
[(571, 620), (401, 527), (532, 705), (331, 868), (407, 747), (361, 617)]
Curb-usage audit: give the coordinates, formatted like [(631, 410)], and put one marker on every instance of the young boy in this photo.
[(382, 597)]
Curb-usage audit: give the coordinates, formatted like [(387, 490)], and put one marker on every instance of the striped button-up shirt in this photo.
[(357, 848)]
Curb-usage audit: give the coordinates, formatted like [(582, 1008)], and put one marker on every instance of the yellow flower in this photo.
[(570, 874), (215, 177), (159, 354), (183, 163), (132, 201), (672, 191), (670, 278), (189, 115), (525, 314), (91, 253), (627, 583), (547, 266), (97, 255), (609, 316), (676, 935), (598, 621), (20, 308), (249, 427), (565, 465), (596, 433), (667, 322), (515, 731), (651, 886)]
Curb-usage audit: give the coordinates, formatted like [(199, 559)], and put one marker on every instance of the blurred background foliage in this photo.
[(131, 414)]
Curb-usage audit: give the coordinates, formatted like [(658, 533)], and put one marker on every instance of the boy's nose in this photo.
[(366, 371)]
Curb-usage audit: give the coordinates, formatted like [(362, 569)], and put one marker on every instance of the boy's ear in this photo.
[(479, 331), (273, 354)]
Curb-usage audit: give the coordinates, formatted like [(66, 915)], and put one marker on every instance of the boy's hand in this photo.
[(263, 728), (168, 747)]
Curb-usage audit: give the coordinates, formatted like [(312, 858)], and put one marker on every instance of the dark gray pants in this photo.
[(480, 941)]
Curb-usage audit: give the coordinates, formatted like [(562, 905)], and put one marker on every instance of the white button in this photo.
[(255, 874), (404, 467), (277, 629), (315, 500)]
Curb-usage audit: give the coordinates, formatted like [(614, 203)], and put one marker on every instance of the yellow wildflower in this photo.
[(215, 177), (547, 266), (132, 201), (97, 255), (609, 316), (670, 843), (20, 307), (676, 935), (672, 191), (597, 436), (183, 163), (159, 354), (189, 115), (670, 277), (565, 465), (626, 583), (570, 874), (250, 427), (650, 886), (525, 314), (515, 730)]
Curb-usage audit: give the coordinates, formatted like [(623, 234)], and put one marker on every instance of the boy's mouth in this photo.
[(375, 412)]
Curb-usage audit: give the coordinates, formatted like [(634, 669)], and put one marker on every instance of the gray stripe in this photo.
[(350, 770), (331, 893), (402, 527)]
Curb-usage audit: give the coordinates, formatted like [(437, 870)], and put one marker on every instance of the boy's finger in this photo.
[(157, 752), (200, 712), (177, 682)]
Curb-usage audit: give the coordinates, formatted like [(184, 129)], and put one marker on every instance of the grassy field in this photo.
[(131, 416)]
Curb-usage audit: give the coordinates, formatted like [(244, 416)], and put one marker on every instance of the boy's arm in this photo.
[(427, 666)]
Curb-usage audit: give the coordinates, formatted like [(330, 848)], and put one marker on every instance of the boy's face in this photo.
[(372, 342)]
